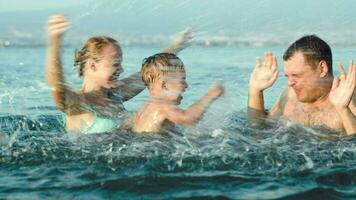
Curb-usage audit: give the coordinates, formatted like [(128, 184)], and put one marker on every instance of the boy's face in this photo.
[(174, 86)]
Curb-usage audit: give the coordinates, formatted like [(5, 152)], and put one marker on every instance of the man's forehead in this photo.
[(297, 57), (296, 63)]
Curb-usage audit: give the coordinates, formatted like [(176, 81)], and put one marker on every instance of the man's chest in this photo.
[(312, 116)]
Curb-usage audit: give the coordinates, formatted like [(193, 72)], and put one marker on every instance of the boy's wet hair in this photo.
[(92, 49), (161, 64), (314, 50)]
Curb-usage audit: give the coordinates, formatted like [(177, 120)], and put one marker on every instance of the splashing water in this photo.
[(221, 157)]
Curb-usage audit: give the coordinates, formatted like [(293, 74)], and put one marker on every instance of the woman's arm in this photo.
[(64, 98), (131, 86)]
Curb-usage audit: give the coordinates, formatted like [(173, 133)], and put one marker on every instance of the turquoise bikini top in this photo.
[(101, 124)]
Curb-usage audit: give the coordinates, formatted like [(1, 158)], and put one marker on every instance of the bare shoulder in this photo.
[(173, 113), (170, 109), (289, 97), (69, 101), (279, 106), (152, 111)]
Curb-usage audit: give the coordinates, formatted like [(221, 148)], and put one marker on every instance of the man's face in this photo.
[(303, 78), (109, 66)]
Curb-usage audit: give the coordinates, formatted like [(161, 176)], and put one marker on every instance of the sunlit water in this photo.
[(219, 158)]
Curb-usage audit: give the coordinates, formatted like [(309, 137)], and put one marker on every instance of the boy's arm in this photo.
[(64, 97), (131, 86), (195, 112)]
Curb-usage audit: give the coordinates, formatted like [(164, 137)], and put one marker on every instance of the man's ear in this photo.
[(323, 67)]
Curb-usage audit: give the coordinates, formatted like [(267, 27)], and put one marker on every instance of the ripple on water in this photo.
[(235, 161)]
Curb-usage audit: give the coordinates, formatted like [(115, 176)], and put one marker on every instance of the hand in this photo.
[(57, 25), (264, 75), (343, 88), (182, 41), (215, 91)]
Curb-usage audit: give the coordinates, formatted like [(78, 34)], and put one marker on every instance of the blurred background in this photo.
[(216, 22)]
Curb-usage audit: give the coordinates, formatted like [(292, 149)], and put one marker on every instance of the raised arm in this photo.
[(341, 94), (182, 41), (262, 77), (131, 86), (352, 105), (195, 112), (62, 94)]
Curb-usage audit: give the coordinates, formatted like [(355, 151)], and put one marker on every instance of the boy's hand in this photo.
[(57, 25)]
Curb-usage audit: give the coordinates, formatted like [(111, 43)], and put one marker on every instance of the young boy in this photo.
[(164, 75)]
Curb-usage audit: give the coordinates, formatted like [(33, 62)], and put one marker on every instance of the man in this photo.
[(313, 96)]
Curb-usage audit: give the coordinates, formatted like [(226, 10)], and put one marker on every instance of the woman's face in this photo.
[(109, 66)]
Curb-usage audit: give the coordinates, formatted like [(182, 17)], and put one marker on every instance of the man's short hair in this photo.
[(314, 50)]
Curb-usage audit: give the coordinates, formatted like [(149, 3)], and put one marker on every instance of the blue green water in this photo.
[(220, 158)]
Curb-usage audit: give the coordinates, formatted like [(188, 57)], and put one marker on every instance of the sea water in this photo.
[(221, 157)]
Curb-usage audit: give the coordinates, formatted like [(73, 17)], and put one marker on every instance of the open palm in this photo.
[(57, 25), (343, 87), (182, 41), (264, 75)]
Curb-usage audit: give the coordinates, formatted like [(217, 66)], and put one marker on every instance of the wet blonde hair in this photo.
[(160, 65), (92, 49)]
